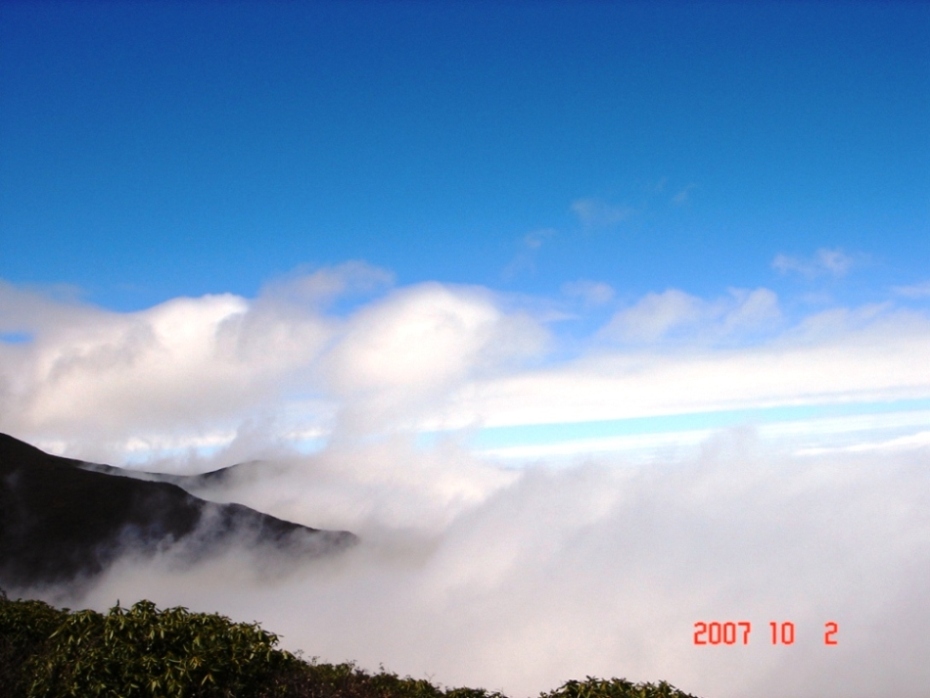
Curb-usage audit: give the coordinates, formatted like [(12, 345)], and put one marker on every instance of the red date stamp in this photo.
[(737, 632)]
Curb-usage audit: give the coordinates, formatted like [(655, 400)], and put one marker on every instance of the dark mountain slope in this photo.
[(59, 521), (211, 478)]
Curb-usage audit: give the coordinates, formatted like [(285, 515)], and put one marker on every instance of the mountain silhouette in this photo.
[(63, 520)]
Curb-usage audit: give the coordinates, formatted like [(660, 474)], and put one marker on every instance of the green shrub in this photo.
[(24, 630), (593, 687), (313, 680), (141, 652)]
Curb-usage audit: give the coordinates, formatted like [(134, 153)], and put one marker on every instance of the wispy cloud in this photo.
[(597, 213), (535, 240), (825, 262), (320, 286), (660, 315), (525, 259), (921, 290), (591, 293), (683, 196)]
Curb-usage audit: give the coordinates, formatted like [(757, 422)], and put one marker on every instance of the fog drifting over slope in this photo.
[(516, 574)]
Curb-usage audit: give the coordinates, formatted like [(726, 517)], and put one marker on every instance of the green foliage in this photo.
[(142, 652), (24, 630), (593, 687), (313, 680), (139, 652)]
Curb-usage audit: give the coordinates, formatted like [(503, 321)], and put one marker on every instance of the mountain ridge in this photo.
[(64, 520)]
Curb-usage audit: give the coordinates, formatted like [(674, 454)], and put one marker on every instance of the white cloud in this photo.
[(535, 239), (658, 315), (197, 371), (684, 196), (653, 316), (872, 355), (182, 370), (525, 259), (913, 291), (173, 366), (751, 310), (825, 262), (402, 355), (591, 293), (323, 285), (596, 213), (518, 579)]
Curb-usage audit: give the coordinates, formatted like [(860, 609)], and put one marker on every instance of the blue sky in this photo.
[(638, 178), (152, 150)]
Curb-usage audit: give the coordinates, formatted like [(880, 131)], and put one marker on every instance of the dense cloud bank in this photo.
[(519, 579), (514, 576)]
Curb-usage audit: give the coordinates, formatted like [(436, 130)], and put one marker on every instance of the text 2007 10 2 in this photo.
[(737, 632)]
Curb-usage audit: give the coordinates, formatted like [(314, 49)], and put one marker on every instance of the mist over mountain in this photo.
[(62, 520)]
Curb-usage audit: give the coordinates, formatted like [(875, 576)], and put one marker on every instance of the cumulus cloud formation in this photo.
[(195, 369), (181, 367), (514, 576), (400, 357), (825, 262), (201, 372)]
